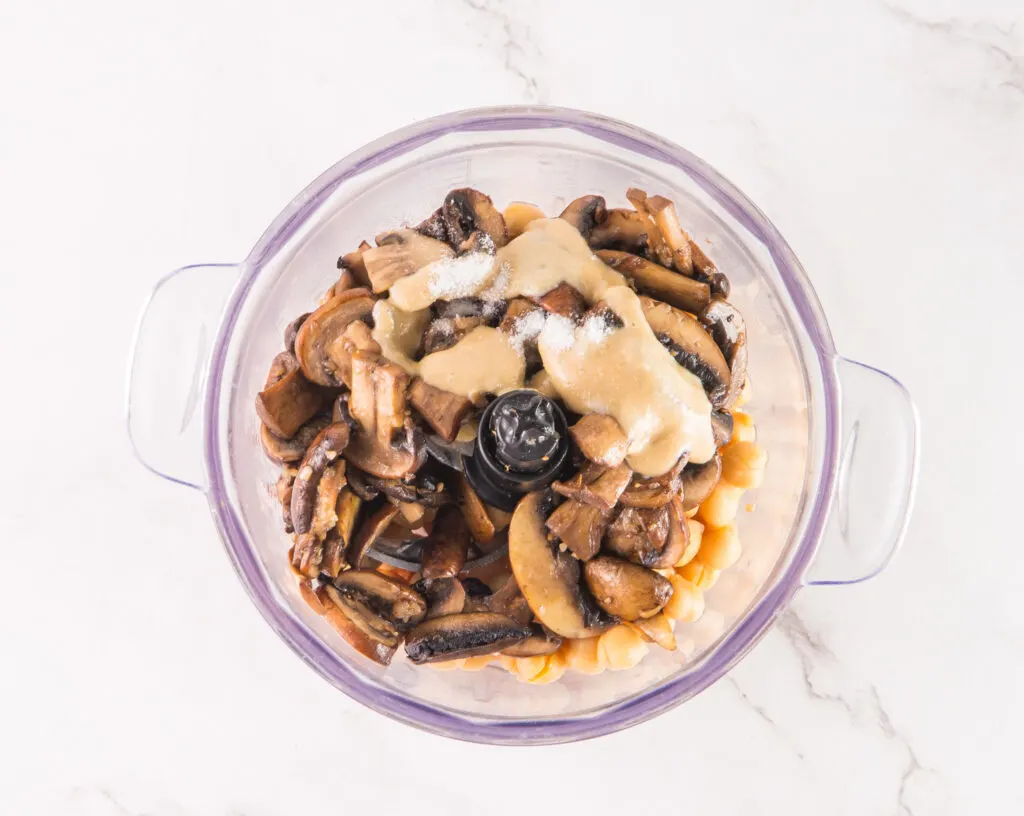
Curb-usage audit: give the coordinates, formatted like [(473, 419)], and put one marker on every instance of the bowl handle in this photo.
[(877, 475), (167, 367)]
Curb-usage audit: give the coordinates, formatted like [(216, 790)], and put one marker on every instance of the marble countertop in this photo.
[(884, 138)]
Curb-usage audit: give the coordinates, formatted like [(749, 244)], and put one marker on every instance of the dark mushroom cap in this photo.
[(466, 635), (726, 326), (699, 480), (721, 427), (445, 596), (466, 211), (540, 642), (378, 604), (323, 451), (625, 589), (664, 284), (320, 331), (585, 213), (284, 451)]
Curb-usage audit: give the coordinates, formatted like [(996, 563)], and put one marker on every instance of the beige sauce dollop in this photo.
[(398, 333), (627, 374), (482, 362)]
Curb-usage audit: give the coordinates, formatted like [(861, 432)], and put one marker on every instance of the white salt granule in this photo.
[(596, 329), (559, 333), (464, 276), (526, 328)]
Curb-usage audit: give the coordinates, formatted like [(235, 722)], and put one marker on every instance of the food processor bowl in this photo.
[(841, 437)]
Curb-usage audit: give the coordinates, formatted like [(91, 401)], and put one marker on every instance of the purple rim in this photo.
[(637, 708)]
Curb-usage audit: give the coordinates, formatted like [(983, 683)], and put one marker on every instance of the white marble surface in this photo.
[(885, 139)]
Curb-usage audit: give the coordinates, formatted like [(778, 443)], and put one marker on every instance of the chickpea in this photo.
[(477, 663), (720, 548), (583, 655), (518, 214), (696, 536), (743, 464), (553, 669), (743, 429), (700, 575), (687, 601), (622, 647), (721, 507), (529, 668)]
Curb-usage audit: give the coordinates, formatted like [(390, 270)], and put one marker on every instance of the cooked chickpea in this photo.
[(720, 548), (553, 669), (696, 536), (477, 663), (528, 668), (721, 507), (746, 395), (518, 214), (583, 655), (622, 647), (743, 429), (687, 601), (743, 464), (700, 575)]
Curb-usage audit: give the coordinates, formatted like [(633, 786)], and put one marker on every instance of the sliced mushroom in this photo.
[(625, 230), (445, 596), (283, 489), (400, 253), (433, 226), (349, 505), (466, 635), (721, 427), (598, 486), (369, 532), (704, 269), (323, 358), (691, 346), (650, 278), (389, 383), (445, 332), (506, 600), (675, 249), (564, 300), (367, 646), (325, 508), (360, 485), (291, 331), (466, 211), (334, 561), (346, 280), (601, 439), (626, 590), (474, 511), (549, 579), (323, 451), (639, 535), (678, 537), (442, 410), (444, 552), (726, 326), (285, 451), (579, 527), (290, 402), (353, 262), (656, 629), (382, 609), (658, 246), (517, 215), (699, 480), (307, 555), (585, 213), (477, 242), (539, 642)]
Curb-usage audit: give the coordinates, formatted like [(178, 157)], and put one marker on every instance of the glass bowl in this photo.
[(830, 426)]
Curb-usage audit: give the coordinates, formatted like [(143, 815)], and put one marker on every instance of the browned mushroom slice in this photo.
[(367, 646), (564, 300), (579, 527), (433, 226), (315, 344), (289, 403), (349, 505), (506, 600), (600, 439), (369, 531), (283, 489), (323, 451), (444, 551), (442, 410), (466, 635), (726, 326), (445, 596), (282, 364), (549, 579), (656, 629), (359, 483), (658, 245), (371, 599), (624, 589), (699, 480), (653, 492), (539, 642), (691, 346), (445, 332), (353, 262), (585, 213), (678, 538), (650, 278), (466, 211), (704, 269), (721, 427), (291, 331), (638, 535), (663, 213), (325, 508), (474, 511), (334, 561), (307, 555), (597, 486), (346, 280), (286, 451), (625, 230), (390, 383), (400, 253)]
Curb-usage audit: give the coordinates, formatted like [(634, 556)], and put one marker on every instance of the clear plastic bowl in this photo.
[(823, 516)]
